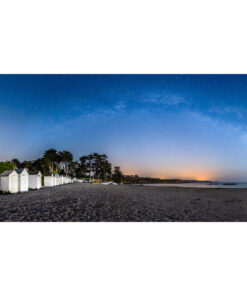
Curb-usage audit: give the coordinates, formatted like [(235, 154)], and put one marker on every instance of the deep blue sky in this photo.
[(185, 126)]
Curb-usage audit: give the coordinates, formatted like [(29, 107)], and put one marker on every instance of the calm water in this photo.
[(200, 185)]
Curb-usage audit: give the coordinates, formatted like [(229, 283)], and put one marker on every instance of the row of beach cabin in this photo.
[(22, 180), (56, 179)]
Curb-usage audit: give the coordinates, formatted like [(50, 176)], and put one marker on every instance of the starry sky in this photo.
[(167, 126)]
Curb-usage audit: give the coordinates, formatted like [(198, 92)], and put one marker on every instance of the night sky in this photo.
[(168, 126)]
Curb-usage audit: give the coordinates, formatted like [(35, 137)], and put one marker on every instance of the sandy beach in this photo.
[(86, 202)]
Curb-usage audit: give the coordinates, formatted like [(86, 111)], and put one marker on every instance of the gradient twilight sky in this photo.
[(168, 126)]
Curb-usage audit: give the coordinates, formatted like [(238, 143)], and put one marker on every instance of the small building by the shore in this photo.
[(61, 180), (23, 180), (49, 180), (57, 180), (35, 180), (9, 181), (69, 180)]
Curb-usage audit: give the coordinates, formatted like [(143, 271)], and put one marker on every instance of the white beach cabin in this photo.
[(68, 180), (23, 180), (61, 180), (49, 180), (56, 180), (9, 181), (35, 180)]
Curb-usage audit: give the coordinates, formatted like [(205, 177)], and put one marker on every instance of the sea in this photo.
[(201, 185)]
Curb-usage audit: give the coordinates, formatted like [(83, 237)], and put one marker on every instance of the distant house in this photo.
[(23, 180), (62, 180), (56, 179), (9, 181), (68, 180), (49, 180), (35, 180)]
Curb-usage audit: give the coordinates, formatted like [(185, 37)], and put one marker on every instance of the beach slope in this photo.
[(87, 202)]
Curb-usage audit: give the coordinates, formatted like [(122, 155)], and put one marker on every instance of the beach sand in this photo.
[(87, 202)]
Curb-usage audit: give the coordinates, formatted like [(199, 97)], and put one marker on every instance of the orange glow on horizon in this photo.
[(202, 178), (188, 175)]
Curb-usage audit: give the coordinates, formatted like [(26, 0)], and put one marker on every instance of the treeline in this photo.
[(135, 179), (92, 166)]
